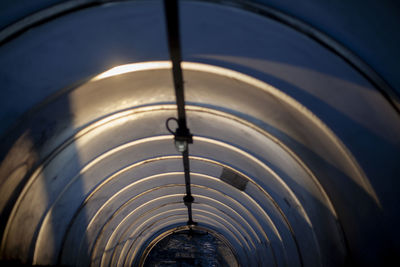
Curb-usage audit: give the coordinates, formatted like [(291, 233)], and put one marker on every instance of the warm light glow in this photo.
[(361, 178), (133, 67)]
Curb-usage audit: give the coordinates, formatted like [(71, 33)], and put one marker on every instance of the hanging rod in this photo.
[(182, 134)]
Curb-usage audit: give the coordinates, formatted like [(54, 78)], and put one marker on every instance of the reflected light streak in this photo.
[(164, 199), (326, 200), (243, 209), (120, 240), (122, 116), (109, 201), (161, 158), (145, 204), (122, 222), (264, 166), (361, 180), (242, 220), (131, 223), (169, 196), (122, 69), (136, 183), (227, 223)]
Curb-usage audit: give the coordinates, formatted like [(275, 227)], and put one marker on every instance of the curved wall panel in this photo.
[(290, 142)]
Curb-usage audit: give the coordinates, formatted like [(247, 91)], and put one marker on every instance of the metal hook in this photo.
[(167, 124)]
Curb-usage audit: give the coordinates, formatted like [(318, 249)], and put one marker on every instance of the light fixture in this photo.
[(182, 136), (181, 146)]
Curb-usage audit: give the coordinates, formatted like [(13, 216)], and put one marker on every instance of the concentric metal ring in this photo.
[(110, 192)]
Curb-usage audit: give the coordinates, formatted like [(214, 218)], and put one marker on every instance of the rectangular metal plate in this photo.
[(233, 179)]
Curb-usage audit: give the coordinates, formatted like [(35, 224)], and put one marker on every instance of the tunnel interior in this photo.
[(294, 158)]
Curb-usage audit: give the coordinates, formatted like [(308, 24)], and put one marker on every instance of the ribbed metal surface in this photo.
[(91, 175), (100, 196)]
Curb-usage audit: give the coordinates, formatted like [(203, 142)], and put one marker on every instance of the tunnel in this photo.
[(295, 122)]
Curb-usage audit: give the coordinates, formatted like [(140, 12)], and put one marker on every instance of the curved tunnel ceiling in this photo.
[(295, 154)]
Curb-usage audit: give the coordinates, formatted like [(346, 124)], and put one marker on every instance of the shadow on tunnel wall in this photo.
[(26, 150), (351, 202), (30, 145)]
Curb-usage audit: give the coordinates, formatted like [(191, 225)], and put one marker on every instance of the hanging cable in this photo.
[(182, 134)]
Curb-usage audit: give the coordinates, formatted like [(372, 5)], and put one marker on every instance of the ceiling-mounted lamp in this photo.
[(182, 136)]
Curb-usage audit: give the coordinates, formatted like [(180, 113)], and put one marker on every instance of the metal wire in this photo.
[(182, 133), (167, 124)]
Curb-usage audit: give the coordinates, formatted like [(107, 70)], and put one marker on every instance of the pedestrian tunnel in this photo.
[(293, 152)]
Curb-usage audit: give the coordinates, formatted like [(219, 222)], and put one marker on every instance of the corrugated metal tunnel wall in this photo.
[(295, 160)]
